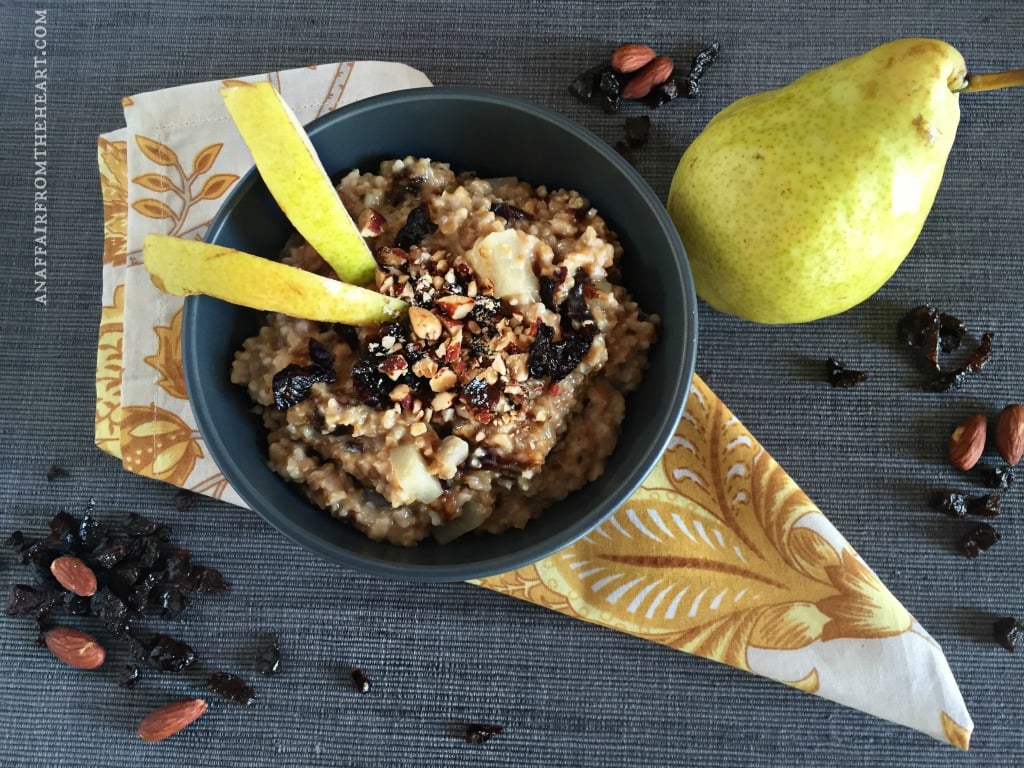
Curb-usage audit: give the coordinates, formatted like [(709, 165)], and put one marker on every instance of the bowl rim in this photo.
[(491, 564)]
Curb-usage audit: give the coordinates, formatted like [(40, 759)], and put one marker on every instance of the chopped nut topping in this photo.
[(443, 380), (425, 323), (425, 367), (455, 306)]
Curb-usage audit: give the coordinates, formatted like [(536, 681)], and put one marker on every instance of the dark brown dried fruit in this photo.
[(701, 62), (980, 538), (293, 383), (56, 472), (417, 226), (509, 212), (166, 654), (231, 687), (557, 359), (638, 130), (479, 733), (953, 504), (1000, 477), (929, 330), (984, 506), (360, 681), (841, 376), (585, 85), (662, 94), (1008, 632), (128, 676), (268, 657), (26, 599)]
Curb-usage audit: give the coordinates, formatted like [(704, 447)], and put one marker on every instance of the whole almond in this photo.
[(75, 648), (630, 57), (967, 442), (1010, 434), (167, 720), (74, 575), (644, 81)]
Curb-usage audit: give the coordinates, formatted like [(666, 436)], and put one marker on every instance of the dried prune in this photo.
[(930, 331), (1008, 632), (509, 212), (980, 538), (913, 327), (575, 307), (417, 226), (319, 354), (293, 383), (479, 733), (701, 62), (210, 580), (638, 130), (360, 681), (232, 687), (662, 94), (111, 610), (585, 85), (478, 394), (268, 657), (951, 332), (166, 654), (984, 506), (981, 354), (128, 676), (26, 599), (56, 472), (953, 504), (171, 602), (999, 477), (841, 376), (557, 359)]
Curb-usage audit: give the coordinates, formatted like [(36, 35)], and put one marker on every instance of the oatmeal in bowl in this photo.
[(499, 394)]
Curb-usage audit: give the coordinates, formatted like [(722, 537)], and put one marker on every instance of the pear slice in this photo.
[(296, 178), (186, 267)]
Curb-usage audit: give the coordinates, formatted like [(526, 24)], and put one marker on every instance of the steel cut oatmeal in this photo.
[(499, 394)]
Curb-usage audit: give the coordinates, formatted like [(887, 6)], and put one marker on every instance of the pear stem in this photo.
[(992, 81)]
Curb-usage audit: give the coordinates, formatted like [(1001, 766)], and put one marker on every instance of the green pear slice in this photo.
[(186, 267), (296, 178)]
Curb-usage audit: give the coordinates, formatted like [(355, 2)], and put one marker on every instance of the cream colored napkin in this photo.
[(719, 554)]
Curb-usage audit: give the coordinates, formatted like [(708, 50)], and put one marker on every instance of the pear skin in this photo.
[(799, 203), (186, 267), (296, 178)]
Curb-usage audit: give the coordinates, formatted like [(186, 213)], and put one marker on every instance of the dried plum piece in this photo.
[(91, 532), (509, 212), (980, 538), (842, 377), (136, 526), (360, 681), (232, 688), (951, 332), (1001, 477), (112, 611), (26, 599), (638, 130), (320, 355), (557, 359), (480, 733), (981, 355), (984, 506), (944, 381), (610, 104), (704, 59), (210, 580), (268, 657), (170, 602), (663, 94), (912, 326), (952, 504), (1008, 632), (56, 472), (111, 554), (417, 226), (585, 84), (574, 308), (371, 385), (128, 676), (166, 654), (77, 605), (549, 285), (478, 394), (293, 383)]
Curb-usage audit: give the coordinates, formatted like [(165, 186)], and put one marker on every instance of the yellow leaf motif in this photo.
[(167, 360), (216, 185), (153, 209), (159, 153), (109, 371), (526, 584), (158, 444), (113, 167), (155, 182), (716, 554), (205, 159)]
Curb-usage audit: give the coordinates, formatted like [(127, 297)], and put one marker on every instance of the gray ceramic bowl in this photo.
[(492, 135)]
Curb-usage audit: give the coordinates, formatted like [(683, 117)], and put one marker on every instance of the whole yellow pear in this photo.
[(799, 203)]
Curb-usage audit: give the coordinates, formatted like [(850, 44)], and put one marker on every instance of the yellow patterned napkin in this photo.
[(719, 554)]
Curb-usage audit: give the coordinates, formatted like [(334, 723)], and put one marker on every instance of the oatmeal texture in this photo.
[(499, 394)]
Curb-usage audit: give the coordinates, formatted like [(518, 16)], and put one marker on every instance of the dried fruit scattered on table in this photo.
[(953, 504), (75, 648), (168, 720), (930, 331), (984, 506), (981, 537), (1010, 434), (701, 62), (231, 687), (166, 654), (1000, 478), (74, 575), (1008, 632), (360, 681), (479, 733), (129, 676), (268, 657), (967, 442), (638, 130), (841, 376)]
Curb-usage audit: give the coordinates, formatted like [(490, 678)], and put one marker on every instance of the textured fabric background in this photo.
[(567, 693)]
